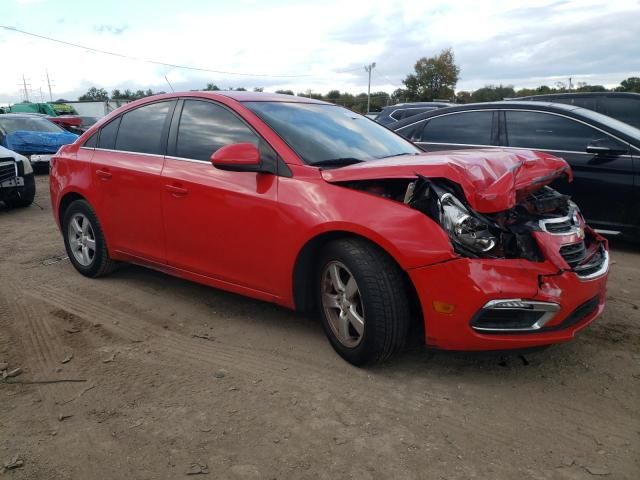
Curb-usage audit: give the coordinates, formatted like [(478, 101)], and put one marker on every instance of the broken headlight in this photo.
[(466, 230)]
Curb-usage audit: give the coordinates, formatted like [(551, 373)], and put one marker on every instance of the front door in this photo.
[(218, 223)]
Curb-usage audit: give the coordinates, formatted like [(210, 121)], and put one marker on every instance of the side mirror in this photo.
[(605, 146), (238, 157)]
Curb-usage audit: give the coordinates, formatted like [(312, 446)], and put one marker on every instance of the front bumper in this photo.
[(41, 158), (469, 285)]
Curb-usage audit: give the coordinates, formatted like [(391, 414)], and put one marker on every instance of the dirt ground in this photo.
[(180, 379)]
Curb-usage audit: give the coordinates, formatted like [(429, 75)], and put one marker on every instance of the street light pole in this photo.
[(368, 69)]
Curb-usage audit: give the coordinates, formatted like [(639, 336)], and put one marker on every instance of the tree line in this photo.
[(433, 78)]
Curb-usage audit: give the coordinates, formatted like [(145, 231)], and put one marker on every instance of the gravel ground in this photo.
[(179, 379)]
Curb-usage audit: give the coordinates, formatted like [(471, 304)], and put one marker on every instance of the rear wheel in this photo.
[(84, 240), (363, 303), (23, 196)]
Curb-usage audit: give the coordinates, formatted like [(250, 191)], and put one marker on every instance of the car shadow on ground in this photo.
[(305, 332)]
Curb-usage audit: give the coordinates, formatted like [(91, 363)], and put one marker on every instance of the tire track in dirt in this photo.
[(265, 364), (48, 348)]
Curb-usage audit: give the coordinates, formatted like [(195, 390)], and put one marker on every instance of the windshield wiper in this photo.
[(337, 162), (399, 155)]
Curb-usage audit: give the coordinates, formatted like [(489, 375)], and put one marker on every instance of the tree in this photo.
[(434, 78), (258, 89), (464, 97), (492, 93), (94, 94), (285, 92), (333, 95), (211, 87), (631, 84)]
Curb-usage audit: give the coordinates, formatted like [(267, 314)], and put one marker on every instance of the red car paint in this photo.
[(244, 232), (493, 180)]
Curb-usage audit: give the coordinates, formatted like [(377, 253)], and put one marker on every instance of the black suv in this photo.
[(604, 153), (400, 111), (622, 106)]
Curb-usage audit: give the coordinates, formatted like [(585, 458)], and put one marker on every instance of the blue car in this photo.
[(34, 137)]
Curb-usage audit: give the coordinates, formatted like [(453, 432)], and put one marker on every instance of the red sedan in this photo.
[(311, 206)]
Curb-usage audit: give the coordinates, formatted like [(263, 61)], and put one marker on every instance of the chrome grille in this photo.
[(8, 171), (574, 254)]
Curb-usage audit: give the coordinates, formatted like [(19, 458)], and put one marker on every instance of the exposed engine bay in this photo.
[(507, 234)]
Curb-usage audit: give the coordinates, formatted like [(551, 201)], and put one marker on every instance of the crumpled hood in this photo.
[(493, 180), (38, 142)]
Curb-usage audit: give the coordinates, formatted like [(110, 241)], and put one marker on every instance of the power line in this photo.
[(154, 62)]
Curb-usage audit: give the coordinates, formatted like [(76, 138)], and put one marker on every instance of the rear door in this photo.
[(452, 131), (126, 165), (218, 223), (603, 183)]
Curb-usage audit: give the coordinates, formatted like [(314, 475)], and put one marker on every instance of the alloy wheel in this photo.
[(342, 304), (82, 239)]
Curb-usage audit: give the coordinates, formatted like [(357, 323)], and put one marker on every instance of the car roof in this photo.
[(241, 96), (629, 132), (415, 105), (580, 94), (23, 115)]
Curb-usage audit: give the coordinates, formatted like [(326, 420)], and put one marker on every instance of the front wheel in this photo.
[(84, 240), (363, 302)]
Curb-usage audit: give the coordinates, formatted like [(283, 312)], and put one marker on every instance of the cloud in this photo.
[(497, 41), (105, 28)]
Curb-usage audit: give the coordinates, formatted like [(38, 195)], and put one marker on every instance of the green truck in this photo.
[(51, 109)]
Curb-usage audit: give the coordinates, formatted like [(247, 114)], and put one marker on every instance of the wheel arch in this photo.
[(306, 264), (66, 200)]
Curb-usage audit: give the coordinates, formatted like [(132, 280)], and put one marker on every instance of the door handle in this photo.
[(176, 191), (104, 174)]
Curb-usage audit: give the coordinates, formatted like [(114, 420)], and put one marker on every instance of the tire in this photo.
[(23, 196), (84, 240), (380, 308)]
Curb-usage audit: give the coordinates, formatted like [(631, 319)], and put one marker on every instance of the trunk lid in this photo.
[(493, 180)]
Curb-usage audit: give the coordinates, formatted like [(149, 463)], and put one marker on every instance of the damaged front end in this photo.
[(544, 225)]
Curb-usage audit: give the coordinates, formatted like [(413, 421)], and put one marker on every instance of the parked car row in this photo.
[(311, 206), (604, 153), (33, 136)]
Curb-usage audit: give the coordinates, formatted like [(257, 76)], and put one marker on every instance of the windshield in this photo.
[(322, 133), (32, 124)]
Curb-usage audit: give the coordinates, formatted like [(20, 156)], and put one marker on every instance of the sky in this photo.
[(316, 45)]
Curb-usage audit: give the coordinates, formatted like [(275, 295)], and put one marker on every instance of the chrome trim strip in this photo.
[(604, 268), (550, 308), (126, 151), (607, 232), (498, 109), (573, 229), (203, 162)]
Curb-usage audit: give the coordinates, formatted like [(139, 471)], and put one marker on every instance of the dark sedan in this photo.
[(604, 153)]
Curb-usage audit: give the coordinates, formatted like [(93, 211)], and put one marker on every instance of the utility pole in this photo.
[(368, 69), (24, 85), (49, 84)]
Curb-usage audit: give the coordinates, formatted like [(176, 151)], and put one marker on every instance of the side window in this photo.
[(466, 128), (142, 130), (205, 127), (412, 132), (549, 132), (108, 134), (92, 142)]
